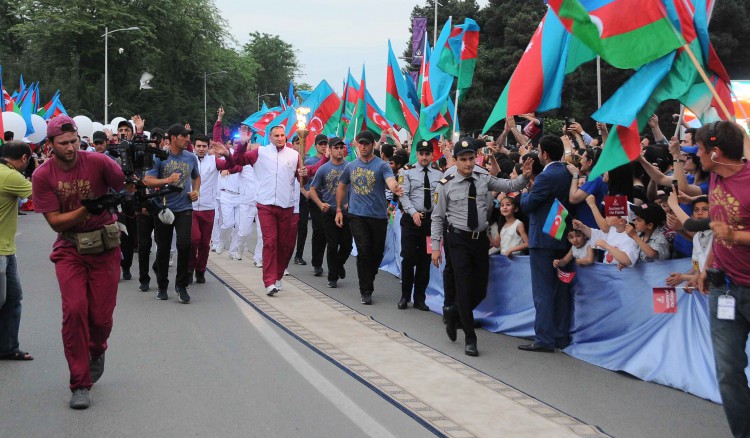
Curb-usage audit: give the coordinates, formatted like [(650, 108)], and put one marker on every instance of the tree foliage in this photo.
[(60, 44), (507, 26)]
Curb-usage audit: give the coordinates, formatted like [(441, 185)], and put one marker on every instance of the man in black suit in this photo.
[(552, 298)]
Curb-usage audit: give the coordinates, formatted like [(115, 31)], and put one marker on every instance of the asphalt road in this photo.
[(217, 368)]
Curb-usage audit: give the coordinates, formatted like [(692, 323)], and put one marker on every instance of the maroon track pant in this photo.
[(279, 229), (88, 287), (200, 240)]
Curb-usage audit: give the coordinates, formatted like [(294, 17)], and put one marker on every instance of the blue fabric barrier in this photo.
[(613, 326)]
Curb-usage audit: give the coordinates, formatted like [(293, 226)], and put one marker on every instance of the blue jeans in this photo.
[(10, 304), (729, 340)]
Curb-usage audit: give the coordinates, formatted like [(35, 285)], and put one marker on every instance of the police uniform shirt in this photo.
[(412, 183), (451, 201)]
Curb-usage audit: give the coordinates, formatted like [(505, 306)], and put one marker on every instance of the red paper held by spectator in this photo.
[(665, 300), (616, 205), (565, 277)]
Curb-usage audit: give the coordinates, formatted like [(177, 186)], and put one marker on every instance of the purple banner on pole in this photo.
[(419, 32), (414, 76)]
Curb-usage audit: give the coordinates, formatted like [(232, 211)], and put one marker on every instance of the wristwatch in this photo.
[(576, 176)]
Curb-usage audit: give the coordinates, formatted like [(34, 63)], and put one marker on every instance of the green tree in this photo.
[(276, 59)]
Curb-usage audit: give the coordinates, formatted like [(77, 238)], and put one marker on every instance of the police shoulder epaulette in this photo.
[(446, 179), (407, 167)]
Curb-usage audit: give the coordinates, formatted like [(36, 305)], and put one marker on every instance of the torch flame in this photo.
[(302, 117)]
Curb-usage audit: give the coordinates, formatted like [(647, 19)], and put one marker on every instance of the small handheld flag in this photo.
[(555, 224)]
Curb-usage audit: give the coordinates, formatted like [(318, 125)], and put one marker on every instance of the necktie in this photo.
[(473, 221), (427, 200)]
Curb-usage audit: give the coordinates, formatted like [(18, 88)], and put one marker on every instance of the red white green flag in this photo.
[(625, 33)]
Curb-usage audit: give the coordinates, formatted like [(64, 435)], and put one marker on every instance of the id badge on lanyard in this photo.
[(726, 306)]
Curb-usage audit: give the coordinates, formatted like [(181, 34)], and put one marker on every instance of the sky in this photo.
[(330, 36)]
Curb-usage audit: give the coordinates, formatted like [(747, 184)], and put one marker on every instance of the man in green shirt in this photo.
[(14, 158)]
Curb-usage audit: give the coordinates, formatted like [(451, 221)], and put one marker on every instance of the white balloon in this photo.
[(98, 127), (116, 121), (85, 126), (40, 129), (111, 129), (15, 123)]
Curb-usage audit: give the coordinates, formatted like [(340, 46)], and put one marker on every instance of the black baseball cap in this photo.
[(366, 137), (320, 137), (125, 123), (99, 136), (178, 129), (335, 141)]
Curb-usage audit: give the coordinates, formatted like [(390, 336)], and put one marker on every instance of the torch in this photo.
[(302, 132)]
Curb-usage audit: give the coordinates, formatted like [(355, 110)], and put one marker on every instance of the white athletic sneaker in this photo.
[(220, 248), (271, 290), (238, 256), (233, 256), (278, 285), (258, 264), (286, 273)]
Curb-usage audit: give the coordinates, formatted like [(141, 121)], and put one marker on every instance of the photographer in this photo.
[(180, 169), (86, 253)]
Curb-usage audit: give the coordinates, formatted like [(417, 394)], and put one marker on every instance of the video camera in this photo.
[(137, 154), (135, 157)]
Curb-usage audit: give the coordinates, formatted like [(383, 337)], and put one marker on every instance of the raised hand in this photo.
[(139, 123)]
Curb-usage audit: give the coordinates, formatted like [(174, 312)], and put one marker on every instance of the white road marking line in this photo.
[(346, 405)]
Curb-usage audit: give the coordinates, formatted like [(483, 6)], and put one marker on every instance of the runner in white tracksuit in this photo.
[(248, 214)]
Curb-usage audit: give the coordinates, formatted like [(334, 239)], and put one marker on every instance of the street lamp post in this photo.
[(263, 95), (205, 97), (106, 67)]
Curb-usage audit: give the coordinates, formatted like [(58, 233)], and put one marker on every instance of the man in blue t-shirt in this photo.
[(307, 206), (323, 195), (366, 179), (180, 169)]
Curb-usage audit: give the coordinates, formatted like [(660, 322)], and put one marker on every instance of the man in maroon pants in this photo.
[(204, 210), (88, 282), (277, 167)]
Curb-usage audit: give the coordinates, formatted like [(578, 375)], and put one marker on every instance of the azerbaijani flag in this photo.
[(436, 87), (459, 57), (555, 223), (398, 107), (537, 82), (625, 33), (374, 118), (623, 143), (290, 94), (348, 104), (323, 104), (356, 124), (261, 124)]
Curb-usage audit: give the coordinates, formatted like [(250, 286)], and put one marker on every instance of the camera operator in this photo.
[(86, 253), (181, 169), (145, 226), (127, 216)]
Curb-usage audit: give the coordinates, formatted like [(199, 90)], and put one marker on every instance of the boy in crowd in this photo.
[(611, 237)]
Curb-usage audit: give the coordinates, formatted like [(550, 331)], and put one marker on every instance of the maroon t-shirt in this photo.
[(56, 189), (729, 202)]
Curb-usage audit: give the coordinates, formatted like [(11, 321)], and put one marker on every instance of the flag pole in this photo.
[(455, 116), (599, 81), (679, 120), (705, 78)]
